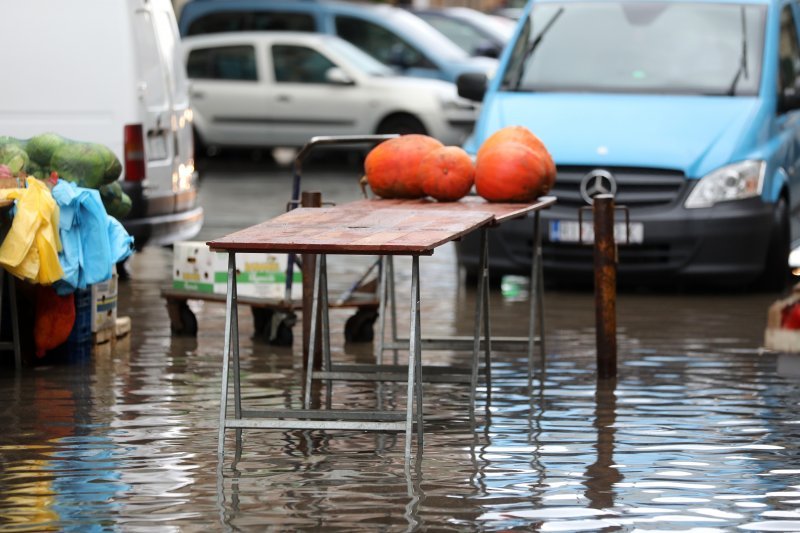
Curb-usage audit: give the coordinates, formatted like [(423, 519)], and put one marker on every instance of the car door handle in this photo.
[(198, 94), (284, 98)]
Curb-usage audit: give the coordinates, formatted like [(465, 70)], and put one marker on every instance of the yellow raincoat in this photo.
[(30, 249)]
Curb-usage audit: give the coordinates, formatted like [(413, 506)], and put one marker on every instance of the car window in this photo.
[(380, 43), (299, 64), (789, 52), (223, 21), (465, 36), (223, 63)]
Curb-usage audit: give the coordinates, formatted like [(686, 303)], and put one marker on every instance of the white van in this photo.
[(108, 71)]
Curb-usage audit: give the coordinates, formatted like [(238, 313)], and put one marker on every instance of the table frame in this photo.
[(367, 420)]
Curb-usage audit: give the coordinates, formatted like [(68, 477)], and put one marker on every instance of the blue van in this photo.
[(688, 111), (391, 35)]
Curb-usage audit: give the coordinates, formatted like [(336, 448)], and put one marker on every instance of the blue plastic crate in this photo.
[(79, 344)]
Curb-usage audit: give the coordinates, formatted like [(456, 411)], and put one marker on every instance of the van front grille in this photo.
[(636, 187)]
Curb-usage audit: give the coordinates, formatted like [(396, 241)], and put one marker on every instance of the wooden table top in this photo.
[(501, 212), (372, 227)]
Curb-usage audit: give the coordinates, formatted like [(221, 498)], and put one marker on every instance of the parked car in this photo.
[(688, 111), (477, 33), (111, 73), (391, 35), (279, 89)]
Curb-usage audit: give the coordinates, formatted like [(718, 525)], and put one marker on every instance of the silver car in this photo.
[(279, 89)]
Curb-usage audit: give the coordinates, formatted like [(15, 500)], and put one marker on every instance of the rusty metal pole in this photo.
[(310, 199), (605, 285)]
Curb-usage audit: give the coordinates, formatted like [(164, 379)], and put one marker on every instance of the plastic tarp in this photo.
[(31, 247), (92, 241)]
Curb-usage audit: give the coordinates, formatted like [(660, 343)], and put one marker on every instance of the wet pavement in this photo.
[(699, 432)]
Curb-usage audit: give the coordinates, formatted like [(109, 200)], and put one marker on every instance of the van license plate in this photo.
[(568, 231), (156, 147)]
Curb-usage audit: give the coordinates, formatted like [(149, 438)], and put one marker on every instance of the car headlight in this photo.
[(732, 182)]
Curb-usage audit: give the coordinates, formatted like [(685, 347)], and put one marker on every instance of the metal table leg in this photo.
[(312, 339), (230, 309), (414, 362), (480, 309), (536, 315)]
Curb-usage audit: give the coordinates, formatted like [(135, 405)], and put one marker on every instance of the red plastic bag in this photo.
[(55, 317)]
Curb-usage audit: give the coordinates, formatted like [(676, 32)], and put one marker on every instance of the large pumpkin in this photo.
[(511, 172), (447, 173), (391, 168), (523, 135)]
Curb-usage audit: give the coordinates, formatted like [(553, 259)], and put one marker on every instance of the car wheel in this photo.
[(199, 145), (776, 273), (402, 124)]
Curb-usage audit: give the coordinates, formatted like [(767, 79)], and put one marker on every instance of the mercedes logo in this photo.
[(597, 182)]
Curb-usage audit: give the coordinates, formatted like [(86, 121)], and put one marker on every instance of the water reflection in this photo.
[(698, 433)]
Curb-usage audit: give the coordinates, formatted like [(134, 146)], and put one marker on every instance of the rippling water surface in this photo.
[(699, 432)]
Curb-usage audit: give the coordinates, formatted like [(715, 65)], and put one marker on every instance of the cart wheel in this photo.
[(188, 325), (281, 329), (359, 327), (262, 322)]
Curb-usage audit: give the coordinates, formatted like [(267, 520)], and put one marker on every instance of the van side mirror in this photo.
[(337, 76), (472, 85)]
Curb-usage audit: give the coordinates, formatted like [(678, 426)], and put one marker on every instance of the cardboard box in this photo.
[(104, 304), (259, 276), (193, 266), (198, 269)]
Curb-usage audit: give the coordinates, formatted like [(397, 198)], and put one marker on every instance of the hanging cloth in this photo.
[(31, 247)]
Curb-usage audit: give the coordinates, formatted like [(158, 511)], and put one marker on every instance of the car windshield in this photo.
[(639, 47), (358, 58), (428, 37)]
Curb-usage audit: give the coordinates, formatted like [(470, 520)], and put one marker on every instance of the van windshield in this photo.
[(639, 47)]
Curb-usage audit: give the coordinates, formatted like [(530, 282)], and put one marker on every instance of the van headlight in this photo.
[(732, 182)]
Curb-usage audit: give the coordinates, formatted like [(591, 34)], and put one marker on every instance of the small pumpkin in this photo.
[(523, 135), (447, 173), (511, 172), (391, 168)]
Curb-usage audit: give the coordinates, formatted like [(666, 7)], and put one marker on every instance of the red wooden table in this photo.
[(369, 227)]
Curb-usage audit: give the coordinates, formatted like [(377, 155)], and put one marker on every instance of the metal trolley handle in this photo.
[(297, 169), (326, 140)]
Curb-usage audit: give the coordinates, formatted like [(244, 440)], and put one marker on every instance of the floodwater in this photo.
[(699, 432)]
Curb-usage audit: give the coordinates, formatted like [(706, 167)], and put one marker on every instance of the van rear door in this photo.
[(162, 89)]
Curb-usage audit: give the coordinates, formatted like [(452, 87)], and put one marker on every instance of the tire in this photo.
[(402, 124), (360, 326), (188, 327), (776, 274)]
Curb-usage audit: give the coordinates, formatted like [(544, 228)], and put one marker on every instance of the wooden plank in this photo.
[(352, 229), (501, 211)]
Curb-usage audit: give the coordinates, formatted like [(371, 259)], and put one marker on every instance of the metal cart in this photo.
[(273, 319)]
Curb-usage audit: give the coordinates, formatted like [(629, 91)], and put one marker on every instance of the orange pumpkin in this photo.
[(511, 172), (447, 173), (391, 168), (523, 135)]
